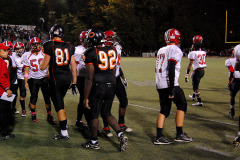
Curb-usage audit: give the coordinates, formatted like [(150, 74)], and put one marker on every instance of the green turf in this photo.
[(212, 130)]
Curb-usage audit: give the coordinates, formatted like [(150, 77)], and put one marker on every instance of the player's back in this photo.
[(104, 60), (61, 53)]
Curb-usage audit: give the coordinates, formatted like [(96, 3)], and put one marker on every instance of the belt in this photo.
[(199, 69)]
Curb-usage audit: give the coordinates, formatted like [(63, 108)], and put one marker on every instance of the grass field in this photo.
[(212, 130)]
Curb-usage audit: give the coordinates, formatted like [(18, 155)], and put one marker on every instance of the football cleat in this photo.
[(89, 145), (236, 141), (124, 128), (107, 132), (193, 98), (123, 142), (60, 137), (183, 138), (81, 125), (16, 112), (198, 104), (161, 140), (50, 119), (34, 118), (23, 113), (9, 136), (231, 113)]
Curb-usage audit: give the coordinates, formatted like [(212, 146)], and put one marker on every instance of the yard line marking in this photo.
[(229, 136), (204, 119), (213, 150)]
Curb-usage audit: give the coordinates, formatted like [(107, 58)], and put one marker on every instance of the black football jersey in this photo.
[(59, 65), (104, 61)]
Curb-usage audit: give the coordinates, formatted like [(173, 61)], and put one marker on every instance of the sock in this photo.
[(193, 96), (64, 132), (199, 99), (121, 120), (231, 106), (179, 130), (22, 102), (159, 132), (63, 124), (33, 111), (94, 140)]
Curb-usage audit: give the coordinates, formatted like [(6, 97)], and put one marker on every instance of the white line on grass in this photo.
[(213, 150)]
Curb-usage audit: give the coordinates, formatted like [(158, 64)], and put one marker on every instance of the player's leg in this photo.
[(233, 91), (58, 93), (236, 140), (123, 103), (23, 93), (46, 96), (14, 88), (195, 82), (181, 103), (165, 104), (80, 108), (34, 89)]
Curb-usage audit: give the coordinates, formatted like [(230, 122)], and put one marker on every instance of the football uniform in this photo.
[(164, 56), (37, 78), (199, 63), (103, 89), (59, 69)]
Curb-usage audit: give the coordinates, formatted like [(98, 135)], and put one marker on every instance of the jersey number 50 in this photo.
[(62, 57), (108, 60)]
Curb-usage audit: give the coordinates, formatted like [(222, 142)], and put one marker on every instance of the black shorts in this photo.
[(121, 93), (166, 103), (197, 75), (235, 87), (34, 85), (101, 99), (58, 93), (22, 89)]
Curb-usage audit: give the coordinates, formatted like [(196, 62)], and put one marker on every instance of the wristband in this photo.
[(6, 88), (186, 75), (26, 75)]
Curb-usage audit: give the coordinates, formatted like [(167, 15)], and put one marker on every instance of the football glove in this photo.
[(74, 89), (125, 82), (186, 78), (171, 92)]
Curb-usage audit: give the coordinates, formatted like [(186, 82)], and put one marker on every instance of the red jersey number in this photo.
[(202, 59), (35, 64)]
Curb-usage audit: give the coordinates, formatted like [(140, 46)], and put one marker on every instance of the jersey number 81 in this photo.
[(62, 57)]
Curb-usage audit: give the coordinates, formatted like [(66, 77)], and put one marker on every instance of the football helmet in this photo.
[(82, 36), (172, 35), (8, 44), (110, 37), (95, 38), (35, 44), (56, 31), (197, 39), (19, 48)]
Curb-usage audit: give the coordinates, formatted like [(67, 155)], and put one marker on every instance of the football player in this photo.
[(6, 116), (13, 75), (235, 86), (81, 71), (99, 90), (167, 74), (111, 40), (19, 50), (37, 79), (59, 55), (197, 59)]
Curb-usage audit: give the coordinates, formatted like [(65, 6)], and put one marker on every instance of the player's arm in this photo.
[(73, 70), (45, 62), (4, 82), (171, 75), (123, 77), (188, 69), (88, 83), (26, 76)]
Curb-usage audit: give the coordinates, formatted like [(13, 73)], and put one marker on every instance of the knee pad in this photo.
[(123, 104), (33, 99), (183, 107), (165, 111)]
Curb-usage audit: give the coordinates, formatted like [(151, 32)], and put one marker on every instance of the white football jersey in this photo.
[(236, 52), (19, 65), (231, 63), (13, 65), (118, 59), (79, 57), (199, 59), (33, 61), (165, 54)]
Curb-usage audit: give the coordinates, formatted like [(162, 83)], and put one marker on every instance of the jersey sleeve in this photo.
[(47, 48), (90, 56), (24, 60), (191, 56), (227, 63)]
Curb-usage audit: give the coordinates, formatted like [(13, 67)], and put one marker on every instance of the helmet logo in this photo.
[(91, 34)]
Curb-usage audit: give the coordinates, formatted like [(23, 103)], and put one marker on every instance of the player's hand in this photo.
[(186, 78), (86, 105), (125, 83), (26, 86), (171, 93), (74, 88), (230, 86), (9, 93)]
